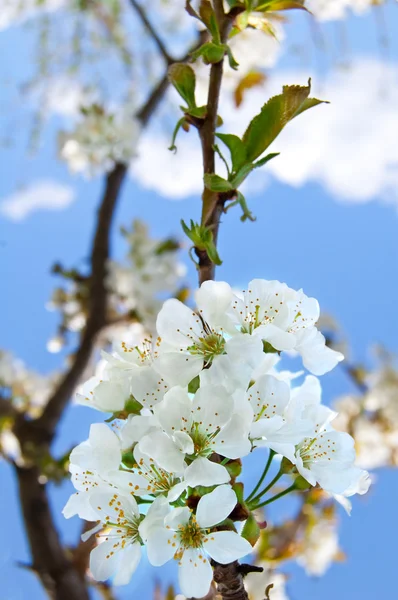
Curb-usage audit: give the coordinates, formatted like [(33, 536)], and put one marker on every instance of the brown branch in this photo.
[(152, 31), (49, 560), (229, 581), (212, 202)]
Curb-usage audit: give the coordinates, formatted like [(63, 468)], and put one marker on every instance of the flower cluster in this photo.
[(100, 140), (186, 409), (136, 286)]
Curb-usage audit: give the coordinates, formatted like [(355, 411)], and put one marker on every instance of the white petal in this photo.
[(212, 407), (204, 472), (110, 396), (103, 564), (184, 442), (87, 534), (213, 299), (175, 321), (216, 506), (135, 428), (128, 562), (162, 449), (79, 504), (161, 546), (279, 339), (178, 516), (154, 519), (194, 574), (175, 412), (226, 546), (233, 439), (178, 368), (244, 348), (176, 491), (147, 386)]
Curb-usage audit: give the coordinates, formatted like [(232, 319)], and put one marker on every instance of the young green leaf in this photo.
[(183, 79), (236, 148), (274, 115), (215, 183)]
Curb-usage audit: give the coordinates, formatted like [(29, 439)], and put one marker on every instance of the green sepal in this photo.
[(215, 183), (251, 531), (193, 385), (128, 459), (202, 238)]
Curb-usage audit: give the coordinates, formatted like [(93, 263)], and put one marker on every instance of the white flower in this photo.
[(275, 424), (286, 319), (196, 429), (94, 466), (321, 548), (328, 459), (135, 366), (147, 477), (100, 140), (104, 396), (257, 583), (191, 340), (120, 551), (188, 538)]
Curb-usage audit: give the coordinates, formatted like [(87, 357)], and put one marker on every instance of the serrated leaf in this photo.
[(215, 183), (275, 5), (212, 252), (310, 103), (183, 78), (252, 79), (274, 115), (236, 148)]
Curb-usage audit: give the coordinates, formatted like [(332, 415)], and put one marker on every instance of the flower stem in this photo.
[(254, 500), (263, 476), (277, 496)]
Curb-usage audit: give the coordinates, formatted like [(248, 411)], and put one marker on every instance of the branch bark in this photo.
[(212, 202)]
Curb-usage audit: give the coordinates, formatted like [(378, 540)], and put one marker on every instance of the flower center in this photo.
[(202, 440), (191, 535), (208, 346)]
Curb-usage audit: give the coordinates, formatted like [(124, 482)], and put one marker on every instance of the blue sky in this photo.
[(345, 253)]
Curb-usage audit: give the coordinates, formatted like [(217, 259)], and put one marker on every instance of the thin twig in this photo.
[(212, 202), (152, 31)]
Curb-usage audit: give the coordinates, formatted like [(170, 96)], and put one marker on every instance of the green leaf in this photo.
[(274, 5), (183, 79), (177, 128), (241, 175), (310, 103), (263, 161), (212, 253), (236, 147), (215, 183), (231, 59), (274, 115), (210, 52), (199, 112)]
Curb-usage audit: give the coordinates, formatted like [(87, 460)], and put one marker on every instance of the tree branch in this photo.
[(57, 572), (152, 31), (212, 202)]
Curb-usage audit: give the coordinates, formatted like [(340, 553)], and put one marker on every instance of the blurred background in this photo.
[(326, 221)]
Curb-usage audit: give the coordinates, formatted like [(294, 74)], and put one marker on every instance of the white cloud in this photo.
[(43, 195), (349, 147), (14, 12)]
